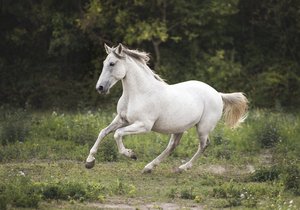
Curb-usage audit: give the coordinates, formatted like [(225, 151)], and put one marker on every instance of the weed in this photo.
[(101, 198), (238, 194), (198, 199), (73, 190), (65, 191), (81, 129), (173, 193), (122, 188), (57, 137), (22, 193), (219, 139), (3, 197), (52, 192), (14, 127), (187, 194), (108, 150), (267, 130), (265, 174), (223, 153), (291, 179), (289, 175), (269, 135)]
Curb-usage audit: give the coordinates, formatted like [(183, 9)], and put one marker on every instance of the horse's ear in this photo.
[(107, 48), (119, 49)]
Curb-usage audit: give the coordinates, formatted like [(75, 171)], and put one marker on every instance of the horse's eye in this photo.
[(111, 64)]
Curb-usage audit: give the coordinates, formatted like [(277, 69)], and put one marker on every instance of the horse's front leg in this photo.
[(115, 124), (135, 128)]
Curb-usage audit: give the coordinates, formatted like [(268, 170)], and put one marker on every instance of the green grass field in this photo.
[(42, 159)]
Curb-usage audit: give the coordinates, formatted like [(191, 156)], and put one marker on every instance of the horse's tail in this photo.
[(235, 108)]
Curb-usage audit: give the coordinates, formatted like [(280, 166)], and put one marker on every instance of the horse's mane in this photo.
[(139, 55), (144, 58)]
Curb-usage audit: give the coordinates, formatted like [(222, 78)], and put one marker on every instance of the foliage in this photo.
[(108, 150), (20, 193), (80, 128), (187, 194), (26, 193), (64, 191), (49, 164), (265, 174), (268, 135), (53, 50), (245, 194), (14, 126), (291, 179)]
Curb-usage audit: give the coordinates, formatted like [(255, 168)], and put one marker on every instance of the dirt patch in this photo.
[(216, 169), (151, 206), (229, 169), (266, 157)]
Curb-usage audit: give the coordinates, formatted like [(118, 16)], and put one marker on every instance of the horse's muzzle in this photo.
[(102, 89)]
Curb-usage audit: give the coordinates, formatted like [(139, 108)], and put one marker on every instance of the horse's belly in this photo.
[(162, 128), (177, 122)]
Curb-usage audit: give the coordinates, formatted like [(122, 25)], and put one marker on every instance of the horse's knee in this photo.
[(117, 135)]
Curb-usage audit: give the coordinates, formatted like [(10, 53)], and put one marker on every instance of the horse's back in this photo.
[(185, 104), (204, 93)]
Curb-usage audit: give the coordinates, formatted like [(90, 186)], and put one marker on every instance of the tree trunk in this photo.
[(156, 44)]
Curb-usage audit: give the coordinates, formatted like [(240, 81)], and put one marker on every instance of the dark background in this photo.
[(51, 51)]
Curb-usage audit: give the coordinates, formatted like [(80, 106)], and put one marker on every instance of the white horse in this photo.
[(150, 104)]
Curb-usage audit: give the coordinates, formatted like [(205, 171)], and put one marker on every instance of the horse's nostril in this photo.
[(100, 88)]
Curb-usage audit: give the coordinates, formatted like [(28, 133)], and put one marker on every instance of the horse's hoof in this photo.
[(146, 171), (133, 157), (177, 170), (90, 165)]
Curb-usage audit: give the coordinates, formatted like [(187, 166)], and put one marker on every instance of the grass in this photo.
[(44, 166)]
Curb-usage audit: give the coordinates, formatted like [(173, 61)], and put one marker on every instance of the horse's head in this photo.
[(113, 68)]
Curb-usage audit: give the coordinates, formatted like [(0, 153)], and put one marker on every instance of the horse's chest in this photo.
[(130, 112), (129, 115), (125, 112)]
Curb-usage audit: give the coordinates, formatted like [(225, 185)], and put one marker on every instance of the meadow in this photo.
[(42, 155)]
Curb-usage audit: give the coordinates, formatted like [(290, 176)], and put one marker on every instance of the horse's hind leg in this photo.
[(203, 132), (201, 147), (174, 141)]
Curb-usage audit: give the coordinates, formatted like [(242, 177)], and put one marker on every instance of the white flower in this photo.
[(21, 173)]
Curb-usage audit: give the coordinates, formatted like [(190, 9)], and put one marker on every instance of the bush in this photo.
[(22, 193), (266, 128), (3, 198), (79, 128), (108, 150), (245, 194), (65, 191), (269, 135), (14, 126), (291, 179), (52, 192), (188, 194), (265, 174)]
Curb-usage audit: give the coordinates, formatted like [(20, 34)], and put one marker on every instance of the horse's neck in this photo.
[(138, 81)]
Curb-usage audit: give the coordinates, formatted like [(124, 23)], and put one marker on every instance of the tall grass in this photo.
[(49, 135), (14, 126), (58, 136)]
